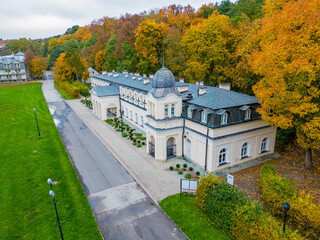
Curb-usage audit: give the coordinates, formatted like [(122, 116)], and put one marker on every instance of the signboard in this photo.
[(188, 185), (230, 179)]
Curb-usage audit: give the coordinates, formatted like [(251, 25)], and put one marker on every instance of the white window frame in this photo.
[(126, 112), (142, 121), (224, 118), (204, 117), (136, 117), (245, 150), (172, 110), (247, 114), (224, 156), (264, 145), (131, 115), (166, 111)]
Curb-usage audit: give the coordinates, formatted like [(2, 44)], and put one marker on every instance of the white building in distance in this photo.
[(214, 127), (12, 68)]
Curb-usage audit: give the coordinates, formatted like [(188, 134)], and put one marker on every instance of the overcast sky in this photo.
[(45, 18)]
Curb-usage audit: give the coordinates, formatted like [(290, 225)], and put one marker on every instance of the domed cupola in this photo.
[(163, 83)]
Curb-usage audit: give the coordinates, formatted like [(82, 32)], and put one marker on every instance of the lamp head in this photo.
[(49, 181), (286, 207), (51, 193)]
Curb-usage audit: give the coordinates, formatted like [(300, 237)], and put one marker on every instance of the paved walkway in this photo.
[(151, 175)]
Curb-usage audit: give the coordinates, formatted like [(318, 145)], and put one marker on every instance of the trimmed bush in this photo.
[(124, 134), (138, 134), (221, 201), (143, 143), (198, 173), (143, 138), (203, 186), (177, 165), (139, 145), (188, 176), (191, 168), (180, 172), (171, 168), (118, 130), (185, 165), (134, 143)]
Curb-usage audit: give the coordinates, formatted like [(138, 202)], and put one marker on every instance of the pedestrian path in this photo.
[(153, 177)]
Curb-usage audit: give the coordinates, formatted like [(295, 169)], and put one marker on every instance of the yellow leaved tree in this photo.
[(289, 63)]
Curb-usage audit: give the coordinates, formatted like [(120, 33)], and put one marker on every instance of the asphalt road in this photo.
[(122, 208)]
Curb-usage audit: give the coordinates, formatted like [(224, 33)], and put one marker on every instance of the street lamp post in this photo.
[(286, 207), (51, 193), (35, 114)]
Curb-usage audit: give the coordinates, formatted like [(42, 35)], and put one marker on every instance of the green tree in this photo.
[(128, 58), (111, 62)]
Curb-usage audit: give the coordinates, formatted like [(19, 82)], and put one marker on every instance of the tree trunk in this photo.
[(308, 159)]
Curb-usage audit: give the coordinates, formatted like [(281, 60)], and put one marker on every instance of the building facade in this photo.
[(12, 68), (214, 127)]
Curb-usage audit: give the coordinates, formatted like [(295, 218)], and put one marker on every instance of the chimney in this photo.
[(225, 86), (126, 75), (137, 74), (109, 74), (116, 75), (146, 81), (181, 80), (133, 78), (104, 72), (151, 75), (145, 75), (183, 88), (139, 78), (197, 83), (202, 90), (201, 83)]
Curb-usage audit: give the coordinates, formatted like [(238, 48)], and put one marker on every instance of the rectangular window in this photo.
[(247, 114), (189, 113), (172, 110), (203, 117), (224, 118)]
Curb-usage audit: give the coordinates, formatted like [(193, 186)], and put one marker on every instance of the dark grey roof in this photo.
[(163, 79), (214, 98), (103, 91)]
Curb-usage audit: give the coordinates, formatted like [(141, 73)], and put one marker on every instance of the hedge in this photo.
[(203, 186), (303, 214)]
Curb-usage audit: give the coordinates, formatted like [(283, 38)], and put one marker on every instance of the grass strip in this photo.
[(190, 219), (26, 162)]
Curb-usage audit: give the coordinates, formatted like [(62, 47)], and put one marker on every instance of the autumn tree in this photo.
[(99, 61), (38, 66), (149, 45), (111, 61), (209, 48), (289, 64)]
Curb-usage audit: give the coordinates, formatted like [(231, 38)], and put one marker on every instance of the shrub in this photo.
[(138, 141), (180, 172), (118, 130), (171, 168), (251, 224), (221, 201), (188, 176), (143, 138), (177, 165), (139, 145), (138, 134), (115, 119), (185, 165), (198, 173), (134, 143), (143, 143), (275, 189), (203, 186), (134, 140), (128, 128), (124, 134), (191, 168)]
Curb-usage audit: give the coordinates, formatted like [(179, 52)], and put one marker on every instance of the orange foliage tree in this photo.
[(38, 66), (149, 44), (289, 63)]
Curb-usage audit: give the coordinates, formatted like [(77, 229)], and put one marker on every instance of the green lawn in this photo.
[(62, 92), (26, 162), (190, 219)]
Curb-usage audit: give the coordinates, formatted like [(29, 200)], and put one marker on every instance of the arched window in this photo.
[(224, 118), (126, 112), (172, 110), (264, 147), (166, 111), (247, 114), (131, 116), (245, 150), (203, 117), (136, 116), (223, 156), (142, 121), (189, 112)]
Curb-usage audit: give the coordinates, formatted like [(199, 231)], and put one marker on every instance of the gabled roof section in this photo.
[(105, 91), (19, 54)]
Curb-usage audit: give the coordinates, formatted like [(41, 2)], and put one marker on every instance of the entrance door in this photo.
[(151, 146), (171, 147)]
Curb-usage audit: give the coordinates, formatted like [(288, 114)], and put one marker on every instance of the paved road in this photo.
[(121, 207)]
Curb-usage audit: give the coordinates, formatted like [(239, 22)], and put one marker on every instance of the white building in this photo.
[(92, 72), (12, 68), (214, 127)]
